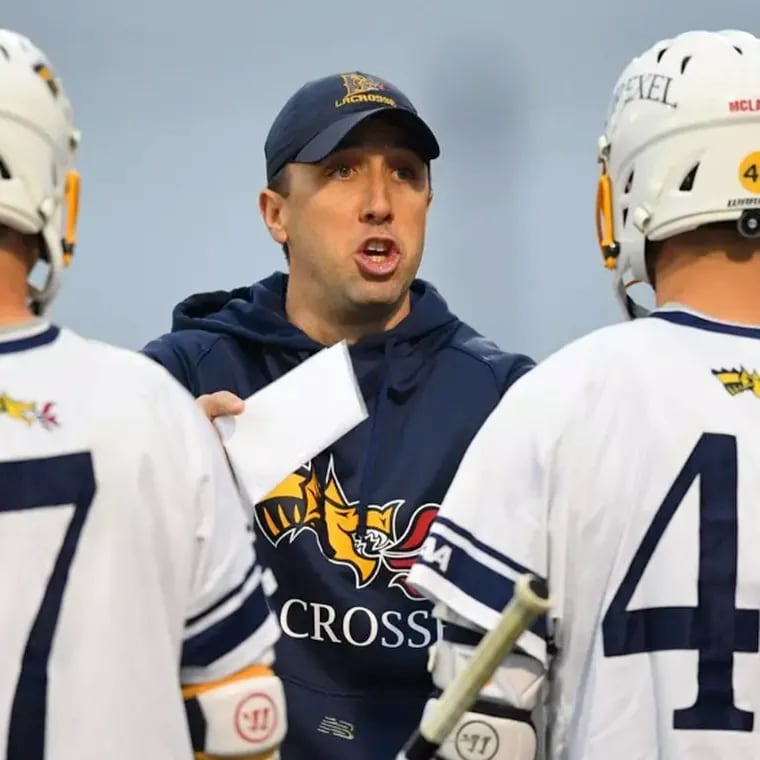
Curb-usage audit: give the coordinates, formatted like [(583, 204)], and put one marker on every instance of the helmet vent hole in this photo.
[(738, 50), (685, 63), (628, 184), (5, 53), (661, 53), (4, 171), (688, 180), (625, 215)]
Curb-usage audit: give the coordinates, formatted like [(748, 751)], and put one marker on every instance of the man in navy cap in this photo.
[(348, 190)]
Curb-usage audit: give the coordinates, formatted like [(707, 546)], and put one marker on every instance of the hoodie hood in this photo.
[(256, 315)]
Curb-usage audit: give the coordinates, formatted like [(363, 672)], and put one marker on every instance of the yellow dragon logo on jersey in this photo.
[(737, 381), (302, 504), (28, 412)]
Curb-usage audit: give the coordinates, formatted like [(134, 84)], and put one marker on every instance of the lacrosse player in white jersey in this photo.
[(625, 468), (127, 572)]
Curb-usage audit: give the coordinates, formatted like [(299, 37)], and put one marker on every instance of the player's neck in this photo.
[(329, 327), (14, 291), (11, 312), (718, 283)]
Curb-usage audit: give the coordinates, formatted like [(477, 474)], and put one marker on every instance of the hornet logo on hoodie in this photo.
[(302, 504)]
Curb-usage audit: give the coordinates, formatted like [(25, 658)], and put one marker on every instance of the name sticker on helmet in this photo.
[(744, 106), (652, 87)]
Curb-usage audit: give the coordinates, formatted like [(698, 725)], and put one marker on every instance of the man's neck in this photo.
[(14, 310), (33, 326), (715, 285), (14, 290), (328, 329)]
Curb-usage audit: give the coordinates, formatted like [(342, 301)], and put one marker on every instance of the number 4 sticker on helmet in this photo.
[(749, 172)]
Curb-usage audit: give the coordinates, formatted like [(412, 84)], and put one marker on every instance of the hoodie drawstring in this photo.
[(375, 440)]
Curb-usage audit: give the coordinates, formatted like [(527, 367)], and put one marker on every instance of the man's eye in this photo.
[(406, 173), (343, 171)]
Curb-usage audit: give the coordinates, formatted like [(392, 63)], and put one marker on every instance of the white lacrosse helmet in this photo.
[(38, 141), (680, 149)]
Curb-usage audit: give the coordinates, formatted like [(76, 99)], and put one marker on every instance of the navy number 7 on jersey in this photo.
[(715, 628), (62, 481)]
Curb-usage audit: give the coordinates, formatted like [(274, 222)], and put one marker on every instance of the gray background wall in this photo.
[(174, 98)]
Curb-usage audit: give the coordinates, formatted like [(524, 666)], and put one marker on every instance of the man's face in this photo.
[(355, 222)]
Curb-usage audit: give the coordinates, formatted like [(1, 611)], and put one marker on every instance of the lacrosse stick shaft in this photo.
[(531, 599)]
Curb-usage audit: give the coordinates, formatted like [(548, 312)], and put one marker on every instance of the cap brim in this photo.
[(422, 138)]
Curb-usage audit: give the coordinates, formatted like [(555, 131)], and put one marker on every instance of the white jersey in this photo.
[(625, 469), (126, 564)]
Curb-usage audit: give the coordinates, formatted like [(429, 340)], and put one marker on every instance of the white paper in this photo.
[(291, 420)]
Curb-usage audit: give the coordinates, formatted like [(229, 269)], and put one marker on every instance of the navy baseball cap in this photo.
[(322, 112)]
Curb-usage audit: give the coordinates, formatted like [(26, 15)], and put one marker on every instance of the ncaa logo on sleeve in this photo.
[(437, 553)]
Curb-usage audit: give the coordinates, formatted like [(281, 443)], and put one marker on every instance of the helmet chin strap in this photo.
[(40, 298), (71, 193), (38, 301), (605, 231)]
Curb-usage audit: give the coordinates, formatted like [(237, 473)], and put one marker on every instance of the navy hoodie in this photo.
[(341, 533)]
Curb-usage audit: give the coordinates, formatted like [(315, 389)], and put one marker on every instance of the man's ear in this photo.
[(274, 213)]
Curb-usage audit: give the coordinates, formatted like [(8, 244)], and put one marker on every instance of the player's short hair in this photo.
[(728, 230)]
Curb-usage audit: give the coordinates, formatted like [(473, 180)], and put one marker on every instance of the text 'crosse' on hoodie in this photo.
[(341, 533)]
